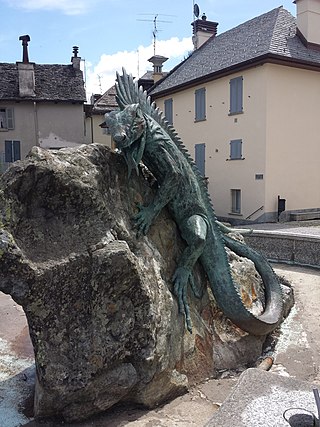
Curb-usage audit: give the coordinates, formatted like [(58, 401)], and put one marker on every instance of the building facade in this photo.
[(246, 105), (39, 105)]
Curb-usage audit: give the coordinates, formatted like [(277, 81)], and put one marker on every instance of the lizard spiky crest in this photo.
[(129, 93)]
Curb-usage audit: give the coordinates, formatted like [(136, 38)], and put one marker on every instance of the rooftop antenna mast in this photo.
[(155, 31), (100, 86)]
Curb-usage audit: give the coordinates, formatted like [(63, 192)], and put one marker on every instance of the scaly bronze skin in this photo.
[(141, 134)]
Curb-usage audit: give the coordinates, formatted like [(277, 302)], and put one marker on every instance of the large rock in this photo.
[(103, 322)]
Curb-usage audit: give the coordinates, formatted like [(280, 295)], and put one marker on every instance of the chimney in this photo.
[(26, 71), (157, 61), (75, 59), (308, 22), (202, 31)]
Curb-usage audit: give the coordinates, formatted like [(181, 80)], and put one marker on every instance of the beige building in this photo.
[(94, 116), (39, 105), (246, 105)]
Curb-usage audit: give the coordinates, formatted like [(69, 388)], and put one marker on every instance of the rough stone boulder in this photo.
[(103, 322)]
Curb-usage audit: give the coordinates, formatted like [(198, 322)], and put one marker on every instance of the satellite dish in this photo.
[(196, 10)]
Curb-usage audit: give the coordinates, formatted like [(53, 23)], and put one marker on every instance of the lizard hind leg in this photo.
[(194, 232)]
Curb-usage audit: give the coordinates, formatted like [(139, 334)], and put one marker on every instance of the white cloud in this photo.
[(101, 77), (69, 7)]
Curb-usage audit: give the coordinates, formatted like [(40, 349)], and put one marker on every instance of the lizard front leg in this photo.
[(194, 232), (169, 177)]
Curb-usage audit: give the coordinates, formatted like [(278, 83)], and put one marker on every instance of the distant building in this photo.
[(102, 104), (246, 105), (39, 105), (94, 114)]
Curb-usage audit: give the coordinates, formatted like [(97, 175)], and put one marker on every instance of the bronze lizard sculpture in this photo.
[(142, 134)]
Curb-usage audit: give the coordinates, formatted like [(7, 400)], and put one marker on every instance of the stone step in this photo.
[(304, 216), (264, 399)]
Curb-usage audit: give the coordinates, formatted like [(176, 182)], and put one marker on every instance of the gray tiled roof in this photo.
[(107, 102), (270, 34), (52, 83)]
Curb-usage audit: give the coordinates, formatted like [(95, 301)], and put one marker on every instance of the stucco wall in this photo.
[(280, 131), (218, 130), (293, 135), (46, 124), (24, 128), (60, 125), (94, 133)]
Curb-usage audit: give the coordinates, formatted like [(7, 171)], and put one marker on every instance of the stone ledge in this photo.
[(260, 399), (304, 216), (285, 247)]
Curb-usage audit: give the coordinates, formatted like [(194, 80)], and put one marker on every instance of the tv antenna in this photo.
[(196, 11), (100, 86), (155, 30)]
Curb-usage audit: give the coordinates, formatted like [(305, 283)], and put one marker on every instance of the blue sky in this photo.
[(114, 33)]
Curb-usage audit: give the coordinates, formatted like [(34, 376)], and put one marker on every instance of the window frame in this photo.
[(12, 150), (235, 201), (236, 95), (9, 119), (200, 104)]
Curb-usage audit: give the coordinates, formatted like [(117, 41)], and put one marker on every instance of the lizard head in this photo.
[(126, 126)]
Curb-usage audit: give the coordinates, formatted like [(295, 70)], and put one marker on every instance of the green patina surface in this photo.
[(141, 134)]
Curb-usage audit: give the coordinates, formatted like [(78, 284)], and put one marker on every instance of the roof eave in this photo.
[(254, 62)]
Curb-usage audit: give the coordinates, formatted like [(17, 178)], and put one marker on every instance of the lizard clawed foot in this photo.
[(180, 280), (143, 219)]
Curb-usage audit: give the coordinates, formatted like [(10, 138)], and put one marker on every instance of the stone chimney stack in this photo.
[(157, 61), (26, 71), (76, 60), (203, 30), (308, 22)]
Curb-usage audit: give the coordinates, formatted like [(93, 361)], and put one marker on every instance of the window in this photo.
[(236, 95), (200, 157), (236, 149), (12, 151), (200, 104), (236, 201), (168, 110), (6, 119)]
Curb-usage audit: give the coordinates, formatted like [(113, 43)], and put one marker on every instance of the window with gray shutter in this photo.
[(236, 95), (168, 110), (200, 104), (6, 118), (200, 157), (12, 151), (236, 149)]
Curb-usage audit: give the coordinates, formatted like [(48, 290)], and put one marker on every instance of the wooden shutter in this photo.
[(16, 151), (200, 104), (200, 157), (8, 152), (236, 149), (10, 118), (236, 95), (168, 110)]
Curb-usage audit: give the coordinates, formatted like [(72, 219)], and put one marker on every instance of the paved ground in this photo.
[(297, 355)]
